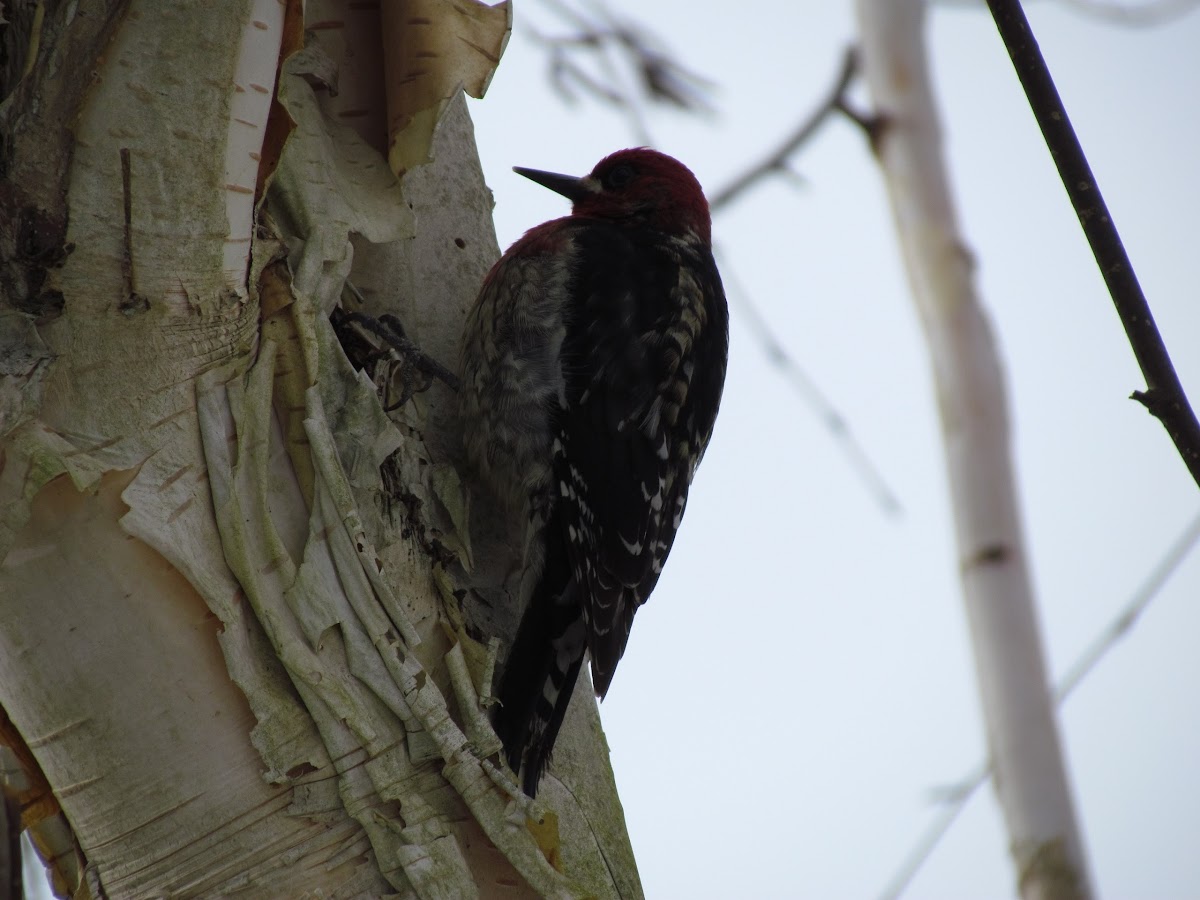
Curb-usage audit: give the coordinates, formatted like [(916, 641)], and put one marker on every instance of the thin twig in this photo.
[(1124, 621), (1108, 638), (632, 66), (1164, 396), (633, 106), (776, 161), (127, 207), (132, 302), (834, 422)]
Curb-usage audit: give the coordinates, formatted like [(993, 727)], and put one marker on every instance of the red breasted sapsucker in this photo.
[(592, 368)]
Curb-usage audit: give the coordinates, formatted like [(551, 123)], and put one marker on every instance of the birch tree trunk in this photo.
[(244, 614), (1024, 747)]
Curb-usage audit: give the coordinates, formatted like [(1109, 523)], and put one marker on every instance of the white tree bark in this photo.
[(1026, 755), (233, 660)]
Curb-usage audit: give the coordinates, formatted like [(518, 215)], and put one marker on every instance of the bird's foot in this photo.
[(395, 363)]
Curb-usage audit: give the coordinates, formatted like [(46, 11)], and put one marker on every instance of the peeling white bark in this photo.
[(249, 104), (223, 652)]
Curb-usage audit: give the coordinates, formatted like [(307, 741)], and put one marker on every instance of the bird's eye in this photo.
[(619, 177)]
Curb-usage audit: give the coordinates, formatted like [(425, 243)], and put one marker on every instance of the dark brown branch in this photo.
[(776, 162), (1138, 14), (1164, 395), (132, 301)]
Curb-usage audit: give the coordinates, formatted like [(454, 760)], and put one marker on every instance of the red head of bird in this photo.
[(639, 187)]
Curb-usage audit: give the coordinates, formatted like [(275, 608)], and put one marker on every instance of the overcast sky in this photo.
[(800, 684)]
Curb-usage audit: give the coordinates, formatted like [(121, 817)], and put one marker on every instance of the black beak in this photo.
[(568, 185)]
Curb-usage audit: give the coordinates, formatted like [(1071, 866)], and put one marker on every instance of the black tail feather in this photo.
[(537, 755), (541, 670)]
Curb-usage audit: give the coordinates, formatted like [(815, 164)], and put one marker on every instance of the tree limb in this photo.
[(1144, 14), (954, 798), (1044, 839), (1164, 396), (776, 161)]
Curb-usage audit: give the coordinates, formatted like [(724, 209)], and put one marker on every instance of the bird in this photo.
[(591, 366)]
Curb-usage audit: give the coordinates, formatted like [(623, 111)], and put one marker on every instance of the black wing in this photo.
[(644, 361)]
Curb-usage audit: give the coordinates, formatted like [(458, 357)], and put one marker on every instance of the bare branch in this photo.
[(777, 161), (1121, 625), (834, 422), (622, 51), (1149, 14), (1044, 840), (1164, 396)]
